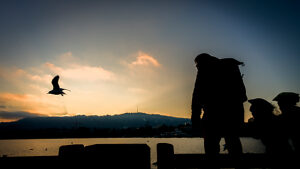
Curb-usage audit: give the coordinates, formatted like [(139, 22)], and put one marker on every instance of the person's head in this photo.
[(261, 109), (287, 99), (205, 59)]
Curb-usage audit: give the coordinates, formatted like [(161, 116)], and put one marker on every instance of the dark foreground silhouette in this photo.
[(106, 156), (167, 159), (268, 128), (279, 133), (137, 156), (219, 92), (217, 111), (290, 117)]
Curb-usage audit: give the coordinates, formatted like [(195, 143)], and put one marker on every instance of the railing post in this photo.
[(165, 156), (71, 151)]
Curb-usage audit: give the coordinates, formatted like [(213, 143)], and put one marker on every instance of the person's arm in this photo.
[(196, 104)]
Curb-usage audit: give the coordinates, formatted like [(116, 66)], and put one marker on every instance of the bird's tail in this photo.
[(66, 89)]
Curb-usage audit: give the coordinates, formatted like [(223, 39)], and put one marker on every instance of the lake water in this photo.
[(49, 147)]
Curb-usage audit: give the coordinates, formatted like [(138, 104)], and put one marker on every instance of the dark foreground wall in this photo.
[(105, 156), (166, 159), (137, 156)]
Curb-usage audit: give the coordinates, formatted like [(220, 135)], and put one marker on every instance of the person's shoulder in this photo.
[(276, 117), (295, 110), (279, 119)]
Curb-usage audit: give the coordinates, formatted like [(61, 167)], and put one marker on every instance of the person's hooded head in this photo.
[(286, 99), (205, 60), (261, 109)]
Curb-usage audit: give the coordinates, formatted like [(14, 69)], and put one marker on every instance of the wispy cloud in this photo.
[(144, 59), (67, 57), (138, 91), (82, 72), (36, 104), (17, 74)]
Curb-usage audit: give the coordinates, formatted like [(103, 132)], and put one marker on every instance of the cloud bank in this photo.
[(17, 115), (82, 72)]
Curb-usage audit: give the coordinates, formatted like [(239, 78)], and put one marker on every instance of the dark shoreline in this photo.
[(181, 131)]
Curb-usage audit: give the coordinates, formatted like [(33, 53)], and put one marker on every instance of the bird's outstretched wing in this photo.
[(55, 82)]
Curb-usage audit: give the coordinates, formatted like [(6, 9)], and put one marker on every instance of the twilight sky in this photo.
[(116, 56)]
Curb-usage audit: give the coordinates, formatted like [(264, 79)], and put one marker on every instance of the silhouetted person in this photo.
[(290, 116), (266, 127), (219, 92)]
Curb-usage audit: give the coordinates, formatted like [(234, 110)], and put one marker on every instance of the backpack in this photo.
[(232, 85)]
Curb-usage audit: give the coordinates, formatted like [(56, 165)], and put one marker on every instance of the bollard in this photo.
[(68, 151), (165, 156)]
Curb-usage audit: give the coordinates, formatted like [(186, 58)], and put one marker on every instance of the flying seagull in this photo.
[(56, 89)]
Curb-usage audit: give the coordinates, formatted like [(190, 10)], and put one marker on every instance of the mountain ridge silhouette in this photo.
[(125, 120)]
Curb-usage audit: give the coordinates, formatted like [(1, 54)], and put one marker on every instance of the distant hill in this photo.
[(126, 120)]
